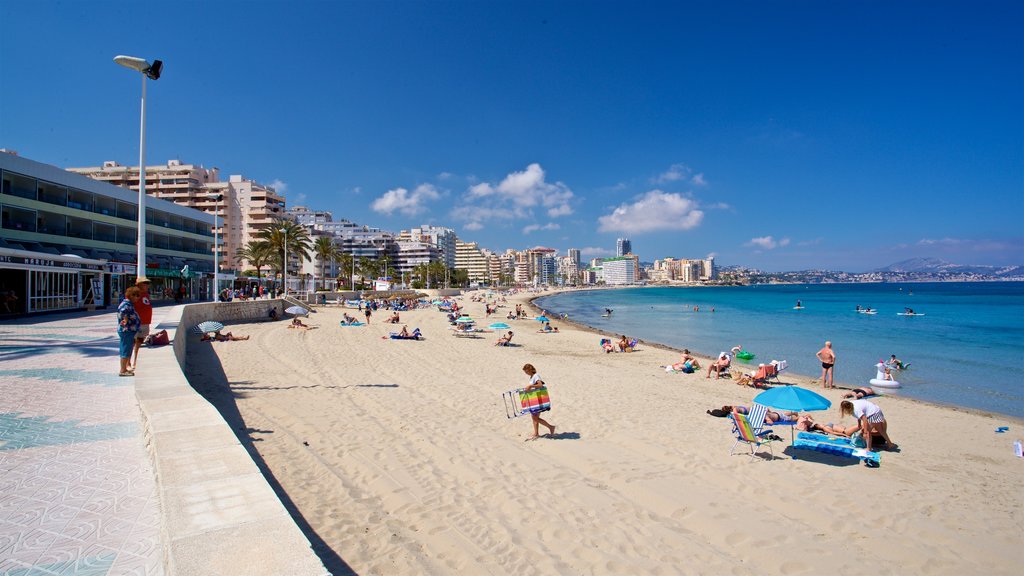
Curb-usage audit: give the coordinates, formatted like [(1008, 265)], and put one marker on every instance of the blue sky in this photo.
[(780, 135)]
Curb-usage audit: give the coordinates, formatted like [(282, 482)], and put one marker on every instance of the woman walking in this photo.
[(536, 383)]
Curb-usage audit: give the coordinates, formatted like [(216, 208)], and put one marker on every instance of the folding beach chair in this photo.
[(780, 365), (753, 435), (764, 373), (521, 402)]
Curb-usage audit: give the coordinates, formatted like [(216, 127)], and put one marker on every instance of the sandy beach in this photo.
[(400, 457)]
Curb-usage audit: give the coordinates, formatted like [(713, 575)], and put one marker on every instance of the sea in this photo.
[(966, 348)]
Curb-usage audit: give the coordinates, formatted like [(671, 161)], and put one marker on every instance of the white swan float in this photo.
[(880, 380)]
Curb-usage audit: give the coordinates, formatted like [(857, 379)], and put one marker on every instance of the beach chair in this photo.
[(606, 345), (763, 374), (504, 340), (780, 365), (749, 429)]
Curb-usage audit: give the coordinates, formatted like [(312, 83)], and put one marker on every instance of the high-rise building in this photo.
[(623, 246), (442, 238), (470, 258), (619, 271)]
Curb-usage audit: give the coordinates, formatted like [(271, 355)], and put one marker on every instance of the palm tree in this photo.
[(325, 250), (258, 253), (296, 236), (345, 261)]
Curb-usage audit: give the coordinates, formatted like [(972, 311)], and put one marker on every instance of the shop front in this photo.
[(31, 283)]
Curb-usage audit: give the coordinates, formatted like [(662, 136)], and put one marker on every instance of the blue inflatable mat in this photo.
[(353, 324), (834, 445)]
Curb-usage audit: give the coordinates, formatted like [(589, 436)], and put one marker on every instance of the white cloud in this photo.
[(652, 211), (699, 180), (473, 226), (674, 173), (767, 243), (279, 186), (535, 227), (515, 197), (299, 199), (408, 203)]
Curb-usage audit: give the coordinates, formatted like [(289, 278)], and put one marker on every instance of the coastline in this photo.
[(400, 458), (811, 382)]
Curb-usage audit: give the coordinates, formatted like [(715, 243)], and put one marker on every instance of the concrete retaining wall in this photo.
[(218, 513)]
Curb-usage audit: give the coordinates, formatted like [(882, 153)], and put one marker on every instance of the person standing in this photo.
[(367, 313), (828, 362), (128, 324), (144, 308), (535, 383)]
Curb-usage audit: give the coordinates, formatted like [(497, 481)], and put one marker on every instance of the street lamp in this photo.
[(285, 266), (216, 245), (151, 71)]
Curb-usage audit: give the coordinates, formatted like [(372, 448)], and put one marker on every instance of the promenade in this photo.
[(77, 489)]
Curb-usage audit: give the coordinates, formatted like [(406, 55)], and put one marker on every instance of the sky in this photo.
[(779, 135)]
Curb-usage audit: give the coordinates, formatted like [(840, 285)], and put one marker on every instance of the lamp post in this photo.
[(151, 71), (216, 246), (285, 263)]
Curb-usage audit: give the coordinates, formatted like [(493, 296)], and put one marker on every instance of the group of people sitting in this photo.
[(687, 363)]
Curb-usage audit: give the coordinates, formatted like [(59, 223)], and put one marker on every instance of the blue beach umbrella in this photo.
[(793, 398), (208, 326), (542, 319), (499, 326)]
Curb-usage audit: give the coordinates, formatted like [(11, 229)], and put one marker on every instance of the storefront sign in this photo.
[(48, 263)]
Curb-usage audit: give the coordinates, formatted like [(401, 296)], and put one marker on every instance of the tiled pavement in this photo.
[(77, 489)]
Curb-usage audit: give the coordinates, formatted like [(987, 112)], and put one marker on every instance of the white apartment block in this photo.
[(245, 207), (470, 258), (619, 271), (442, 238)]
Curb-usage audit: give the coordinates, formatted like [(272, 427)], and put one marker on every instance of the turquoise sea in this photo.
[(966, 350)]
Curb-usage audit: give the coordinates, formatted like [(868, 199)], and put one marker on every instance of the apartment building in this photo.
[(243, 207), (474, 261), (69, 242), (442, 238)]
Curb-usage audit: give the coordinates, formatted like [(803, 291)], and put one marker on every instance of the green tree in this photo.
[(345, 261), (294, 234), (258, 252), (326, 250)]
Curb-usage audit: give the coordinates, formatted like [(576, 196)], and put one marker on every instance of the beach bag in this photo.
[(159, 338)]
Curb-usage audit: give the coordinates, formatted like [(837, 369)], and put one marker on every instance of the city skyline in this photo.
[(792, 136)]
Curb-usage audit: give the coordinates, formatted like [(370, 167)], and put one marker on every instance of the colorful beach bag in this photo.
[(521, 402)]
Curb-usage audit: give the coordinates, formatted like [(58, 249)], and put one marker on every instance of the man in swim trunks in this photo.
[(828, 361)]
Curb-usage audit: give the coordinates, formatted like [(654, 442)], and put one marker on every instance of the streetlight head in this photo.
[(141, 65)]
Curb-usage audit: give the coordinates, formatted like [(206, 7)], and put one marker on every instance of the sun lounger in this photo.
[(780, 365), (835, 445)]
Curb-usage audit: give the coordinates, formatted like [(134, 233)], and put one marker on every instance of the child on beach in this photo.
[(535, 383)]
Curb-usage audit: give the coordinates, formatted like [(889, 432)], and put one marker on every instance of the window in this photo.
[(103, 232), (53, 194), (52, 290), (127, 211), (79, 228), (80, 199), (50, 223), (106, 205), (18, 185), (19, 219), (127, 235)]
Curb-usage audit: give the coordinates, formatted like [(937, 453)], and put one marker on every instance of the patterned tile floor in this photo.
[(77, 492)]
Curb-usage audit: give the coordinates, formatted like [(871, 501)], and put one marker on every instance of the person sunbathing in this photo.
[(806, 423), (394, 319), (504, 340), (217, 336), (859, 393), (405, 332), (296, 323), (719, 366), (346, 319)]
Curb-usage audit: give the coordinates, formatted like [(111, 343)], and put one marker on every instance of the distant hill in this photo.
[(937, 266)]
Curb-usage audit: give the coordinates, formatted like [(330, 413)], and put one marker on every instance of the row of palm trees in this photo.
[(268, 251)]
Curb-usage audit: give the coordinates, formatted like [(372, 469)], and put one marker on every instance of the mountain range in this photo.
[(941, 267)]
